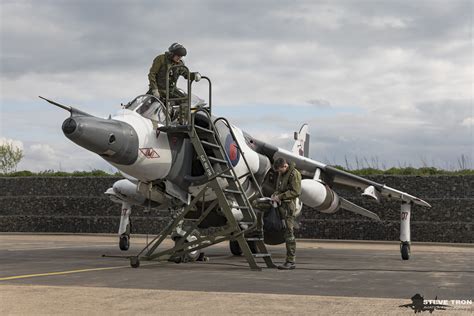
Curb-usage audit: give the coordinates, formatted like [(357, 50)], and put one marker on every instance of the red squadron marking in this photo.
[(233, 151), (149, 153)]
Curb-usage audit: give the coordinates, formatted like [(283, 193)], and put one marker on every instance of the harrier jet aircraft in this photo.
[(208, 173)]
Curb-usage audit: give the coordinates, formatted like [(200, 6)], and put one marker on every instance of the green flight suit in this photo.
[(288, 189), (157, 79)]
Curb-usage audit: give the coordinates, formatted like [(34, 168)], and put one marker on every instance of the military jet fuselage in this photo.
[(170, 166)]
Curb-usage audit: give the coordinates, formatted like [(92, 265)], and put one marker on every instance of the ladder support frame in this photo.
[(215, 167)]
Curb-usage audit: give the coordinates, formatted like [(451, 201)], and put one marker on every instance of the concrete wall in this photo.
[(78, 205)]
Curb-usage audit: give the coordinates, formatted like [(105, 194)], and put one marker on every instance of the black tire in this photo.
[(124, 242), (405, 251), (253, 246), (235, 248), (190, 256), (202, 257), (134, 262)]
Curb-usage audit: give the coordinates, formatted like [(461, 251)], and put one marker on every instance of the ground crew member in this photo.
[(159, 69), (288, 189)]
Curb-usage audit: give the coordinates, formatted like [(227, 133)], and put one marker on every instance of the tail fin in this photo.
[(301, 146)]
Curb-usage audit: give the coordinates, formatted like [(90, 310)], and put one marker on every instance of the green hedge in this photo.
[(409, 171), (52, 173)]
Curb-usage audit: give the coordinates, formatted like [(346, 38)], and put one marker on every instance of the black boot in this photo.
[(287, 266)]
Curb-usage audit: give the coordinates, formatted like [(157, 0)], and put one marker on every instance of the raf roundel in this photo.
[(232, 150)]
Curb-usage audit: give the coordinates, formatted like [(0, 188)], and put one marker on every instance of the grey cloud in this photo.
[(444, 111), (78, 35), (319, 103), (431, 134), (269, 50), (399, 138)]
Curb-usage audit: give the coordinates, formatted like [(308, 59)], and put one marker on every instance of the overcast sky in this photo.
[(390, 81)]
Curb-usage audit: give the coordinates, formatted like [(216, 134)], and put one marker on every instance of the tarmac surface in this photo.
[(66, 274)]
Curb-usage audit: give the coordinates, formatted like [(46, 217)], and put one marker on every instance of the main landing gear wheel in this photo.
[(124, 242), (134, 262), (405, 250), (253, 246), (235, 248), (188, 257)]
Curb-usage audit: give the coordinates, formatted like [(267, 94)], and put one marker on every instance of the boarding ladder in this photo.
[(220, 178)]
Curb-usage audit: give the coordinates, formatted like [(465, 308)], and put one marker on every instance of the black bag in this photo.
[(272, 221)]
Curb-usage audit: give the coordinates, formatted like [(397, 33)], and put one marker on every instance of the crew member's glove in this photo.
[(156, 93), (275, 198)]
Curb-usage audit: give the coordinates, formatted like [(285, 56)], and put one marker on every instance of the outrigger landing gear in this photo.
[(405, 250), (405, 213)]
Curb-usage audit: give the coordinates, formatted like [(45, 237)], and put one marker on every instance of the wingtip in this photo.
[(422, 203), (428, 205)]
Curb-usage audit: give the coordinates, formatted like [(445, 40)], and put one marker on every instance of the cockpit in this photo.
[(147, 106), (151, 108)]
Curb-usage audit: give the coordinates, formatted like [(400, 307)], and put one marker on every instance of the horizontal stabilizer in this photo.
[(349, 206)]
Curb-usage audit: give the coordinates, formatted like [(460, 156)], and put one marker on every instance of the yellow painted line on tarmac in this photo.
[(26, 276)]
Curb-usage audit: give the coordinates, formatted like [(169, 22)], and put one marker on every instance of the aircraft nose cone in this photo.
[(69, 126), (115, 141)]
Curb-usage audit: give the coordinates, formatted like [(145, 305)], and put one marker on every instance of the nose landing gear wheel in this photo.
[(124, 242), (405, 250), (134, 262)]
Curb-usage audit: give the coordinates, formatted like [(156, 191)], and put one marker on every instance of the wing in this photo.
[(369, 188), (333, 176)]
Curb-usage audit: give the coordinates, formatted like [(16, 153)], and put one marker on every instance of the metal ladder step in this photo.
[(202, 129), (239, 207), (242, 207), (244, 175), (210, 144), (246, 223), (217, 160), (232, 191), (227, 176), (254, 239), (261, 255)]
